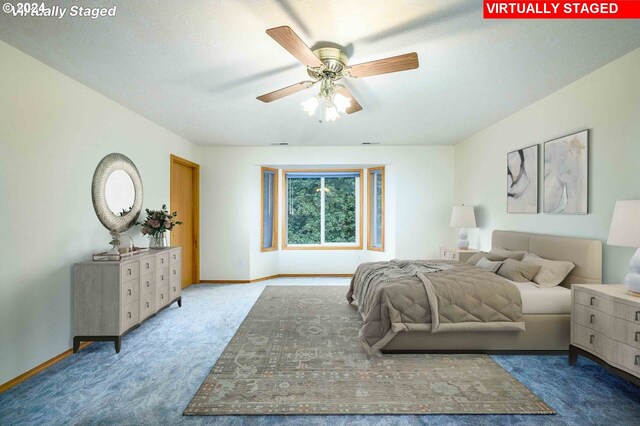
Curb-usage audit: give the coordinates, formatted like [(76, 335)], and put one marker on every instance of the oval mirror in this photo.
[(116, 192), (119, 192)]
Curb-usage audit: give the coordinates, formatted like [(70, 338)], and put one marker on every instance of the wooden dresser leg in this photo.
[(76, 345), (573, 355), (117, 342), (180, 302)]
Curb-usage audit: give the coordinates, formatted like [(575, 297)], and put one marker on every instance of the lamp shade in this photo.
[(625, 225), (463, 217)]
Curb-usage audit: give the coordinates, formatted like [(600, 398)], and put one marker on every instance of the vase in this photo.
[(158, 241)]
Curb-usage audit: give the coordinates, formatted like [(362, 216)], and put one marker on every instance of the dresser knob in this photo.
[(592, 301), (637, 315), (129, 292), (637, 336), (637, 362), (591, 339), (161, 260), (128, 271), (146, 265), (161, 277), (174, 272), (174, 289), (147, 284), (161, 296), (128, 314), (591, 318), (147, 304)]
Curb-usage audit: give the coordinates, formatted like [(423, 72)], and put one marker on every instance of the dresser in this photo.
[(605, 327), (110, 298), (460, 255)]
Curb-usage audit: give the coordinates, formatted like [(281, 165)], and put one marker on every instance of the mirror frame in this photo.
[(108, 165)]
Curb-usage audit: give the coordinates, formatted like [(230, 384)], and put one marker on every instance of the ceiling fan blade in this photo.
[(355, 106), (288, 39), (285, 91), (404, 62)]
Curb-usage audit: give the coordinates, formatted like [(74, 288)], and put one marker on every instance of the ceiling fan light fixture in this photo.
[(341, 102), (331, 113), (310, 105)]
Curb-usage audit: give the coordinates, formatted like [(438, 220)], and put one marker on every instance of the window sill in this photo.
[(286, 247)]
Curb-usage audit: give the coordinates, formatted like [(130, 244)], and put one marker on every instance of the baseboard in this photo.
[(271, 277), (40, 368)]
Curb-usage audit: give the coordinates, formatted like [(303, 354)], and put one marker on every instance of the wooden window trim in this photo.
[(274, 225), (285, 246), (370, 208)]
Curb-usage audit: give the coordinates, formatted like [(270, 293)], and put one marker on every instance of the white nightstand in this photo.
[(460, 255), (605, 327)]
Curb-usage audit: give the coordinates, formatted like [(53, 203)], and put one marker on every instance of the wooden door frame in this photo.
[(196, 209)]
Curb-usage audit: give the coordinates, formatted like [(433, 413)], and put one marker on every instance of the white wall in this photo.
[(606, 101), (53, 133), (419, 184)]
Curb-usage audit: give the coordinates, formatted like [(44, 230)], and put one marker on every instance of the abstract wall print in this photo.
[(522, 180), (566, 174)]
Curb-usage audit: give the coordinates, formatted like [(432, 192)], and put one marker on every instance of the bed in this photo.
[(545, 311)]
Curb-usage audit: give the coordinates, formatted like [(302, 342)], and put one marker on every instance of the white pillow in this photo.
[(488, 265), (552, 272)]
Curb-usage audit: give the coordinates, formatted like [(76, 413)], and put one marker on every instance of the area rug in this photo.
[(297, 352)]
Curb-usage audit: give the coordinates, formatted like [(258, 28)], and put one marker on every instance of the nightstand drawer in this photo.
[(627, 312), (597, 302), (625, 332), (592, 318), (590, 339), (629, 357)]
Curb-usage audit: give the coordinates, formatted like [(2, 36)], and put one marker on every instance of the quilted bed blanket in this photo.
[(436, 296)]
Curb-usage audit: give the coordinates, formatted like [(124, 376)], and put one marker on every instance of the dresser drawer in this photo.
[(148, 265), (130, 316), (175, 274), (148, 304), (175, 257), (129, 292), (148, 283), (592, 318), (162, 295), (174, 290), (130, 270), (162, 260), (162, 277), (597, 302)]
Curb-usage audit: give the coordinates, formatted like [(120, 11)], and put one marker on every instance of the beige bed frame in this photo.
[(544, 333)]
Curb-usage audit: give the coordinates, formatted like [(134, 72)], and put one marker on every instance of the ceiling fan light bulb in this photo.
[(331, 114), (341, 102), (310, 105)]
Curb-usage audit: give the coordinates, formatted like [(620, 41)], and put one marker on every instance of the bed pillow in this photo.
[(488, 265), (473, 260), (517, 271), (498, 254), (551, 273)]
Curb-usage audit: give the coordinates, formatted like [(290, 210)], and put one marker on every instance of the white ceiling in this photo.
[(196, 67)]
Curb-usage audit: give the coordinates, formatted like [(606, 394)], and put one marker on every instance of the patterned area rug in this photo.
[(297, 352)]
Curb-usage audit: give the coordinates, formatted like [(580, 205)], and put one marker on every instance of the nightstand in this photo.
[(605, 327), (457, 254)]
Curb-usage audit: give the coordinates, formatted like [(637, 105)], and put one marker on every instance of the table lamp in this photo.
[(463, 217), (625, 232)]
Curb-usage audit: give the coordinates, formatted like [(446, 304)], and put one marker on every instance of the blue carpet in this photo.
[(163, 363)]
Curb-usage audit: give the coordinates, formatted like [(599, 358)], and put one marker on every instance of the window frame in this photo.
[(370, 206), (330, 246), (274, 216)]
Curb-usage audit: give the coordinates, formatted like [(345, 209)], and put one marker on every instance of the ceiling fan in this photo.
[(327, 66)]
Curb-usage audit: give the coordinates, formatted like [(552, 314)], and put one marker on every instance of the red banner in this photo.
[(589, 9)]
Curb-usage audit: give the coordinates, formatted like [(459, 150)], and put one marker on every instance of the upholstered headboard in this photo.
[(585, 254)]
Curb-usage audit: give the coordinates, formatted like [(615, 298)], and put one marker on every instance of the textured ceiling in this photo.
[(196, 67)]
